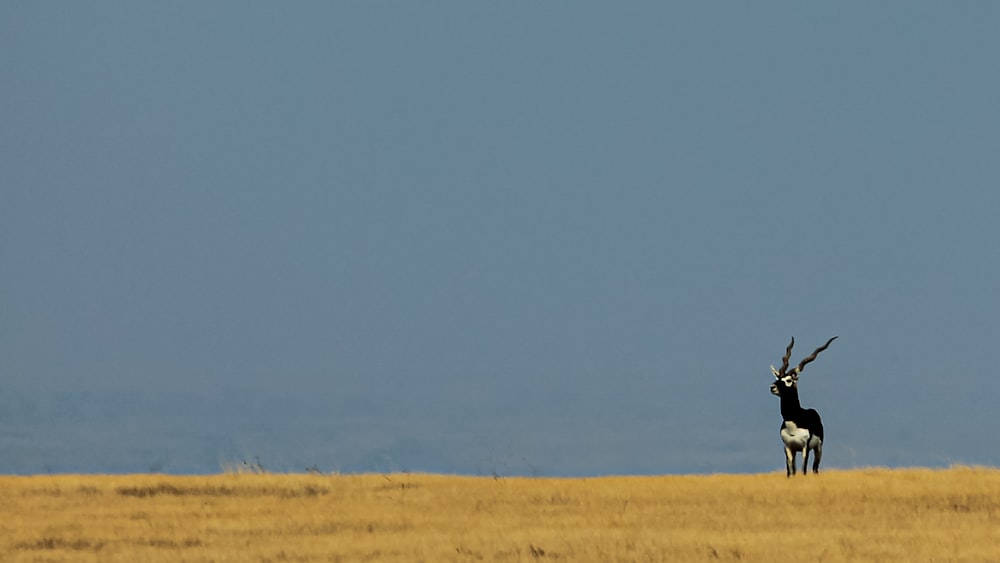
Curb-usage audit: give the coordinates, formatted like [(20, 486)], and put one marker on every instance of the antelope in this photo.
[(801, 429)]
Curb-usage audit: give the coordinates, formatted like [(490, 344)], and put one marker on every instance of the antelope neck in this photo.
[(790, 406)]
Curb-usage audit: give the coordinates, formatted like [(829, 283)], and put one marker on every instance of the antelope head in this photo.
[(790, 379)]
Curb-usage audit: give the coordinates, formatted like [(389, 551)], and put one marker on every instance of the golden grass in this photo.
[(861, 515)]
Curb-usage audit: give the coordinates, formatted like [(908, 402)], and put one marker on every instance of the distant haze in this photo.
[(517, 238)]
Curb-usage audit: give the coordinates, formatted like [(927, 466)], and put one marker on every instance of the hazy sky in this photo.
[(495, 237)]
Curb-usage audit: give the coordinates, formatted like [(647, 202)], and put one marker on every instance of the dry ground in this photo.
[(860, 515)]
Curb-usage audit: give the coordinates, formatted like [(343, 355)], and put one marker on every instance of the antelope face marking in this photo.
[(786, 382)]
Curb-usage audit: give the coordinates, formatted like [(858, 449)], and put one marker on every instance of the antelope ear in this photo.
[(775, 372)]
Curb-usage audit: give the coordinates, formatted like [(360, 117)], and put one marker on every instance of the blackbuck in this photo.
[(801, 429)]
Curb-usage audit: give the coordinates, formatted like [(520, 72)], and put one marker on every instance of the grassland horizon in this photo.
[(871, 514)]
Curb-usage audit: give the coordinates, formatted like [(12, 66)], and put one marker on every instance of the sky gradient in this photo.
[(556, 238)]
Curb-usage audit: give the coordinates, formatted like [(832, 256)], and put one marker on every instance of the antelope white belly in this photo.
[(796, 438)]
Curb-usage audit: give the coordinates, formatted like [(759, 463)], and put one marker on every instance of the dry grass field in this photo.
[(859, 515)]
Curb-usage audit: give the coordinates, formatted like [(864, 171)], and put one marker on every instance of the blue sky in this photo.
[(523, 237)]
